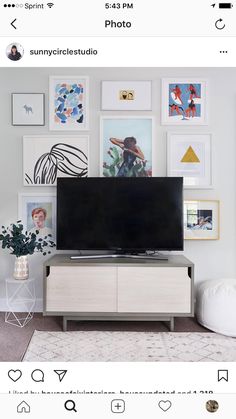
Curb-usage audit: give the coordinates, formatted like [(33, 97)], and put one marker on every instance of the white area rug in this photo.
[(130, 346)]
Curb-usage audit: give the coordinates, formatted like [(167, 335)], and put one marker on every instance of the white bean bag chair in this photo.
[(216, 306)]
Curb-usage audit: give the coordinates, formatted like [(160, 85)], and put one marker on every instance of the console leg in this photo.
[(64, 324), (172, 324)]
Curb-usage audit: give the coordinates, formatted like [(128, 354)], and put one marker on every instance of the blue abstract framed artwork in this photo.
[(126, 146), (184, 102), (69, 103)]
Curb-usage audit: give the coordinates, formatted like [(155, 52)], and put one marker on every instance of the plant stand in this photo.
[(20, 296)]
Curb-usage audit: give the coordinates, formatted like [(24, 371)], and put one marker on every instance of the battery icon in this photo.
[(225, 5)]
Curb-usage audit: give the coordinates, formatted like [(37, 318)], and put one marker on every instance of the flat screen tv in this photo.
[(120, 214)]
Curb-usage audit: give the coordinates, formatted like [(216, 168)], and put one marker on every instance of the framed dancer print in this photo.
[(184, 102)]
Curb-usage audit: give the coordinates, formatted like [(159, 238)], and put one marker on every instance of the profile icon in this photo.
[(14, 52), (212, 406)]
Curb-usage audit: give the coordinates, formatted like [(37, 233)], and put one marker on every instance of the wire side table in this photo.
[(21, 298)]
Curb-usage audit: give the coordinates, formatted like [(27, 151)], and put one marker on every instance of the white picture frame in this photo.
[(183, 106), (139, 127), (37, 211), (126, 95), (68, 103), (190, 156), (45, 158), (201, 219), (28, 109)]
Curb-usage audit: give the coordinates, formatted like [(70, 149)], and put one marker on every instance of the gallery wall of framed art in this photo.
[(38, 151)]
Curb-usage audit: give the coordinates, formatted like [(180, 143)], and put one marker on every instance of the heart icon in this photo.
[(165, 405), (14, 375)]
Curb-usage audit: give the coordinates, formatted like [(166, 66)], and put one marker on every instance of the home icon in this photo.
[(23, 407)]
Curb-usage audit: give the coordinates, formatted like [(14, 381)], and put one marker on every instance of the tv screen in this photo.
[(121, 214)]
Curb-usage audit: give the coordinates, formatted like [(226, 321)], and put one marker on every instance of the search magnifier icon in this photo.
[(70, 406)]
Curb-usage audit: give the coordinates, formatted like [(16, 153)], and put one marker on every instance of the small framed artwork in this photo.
[(126, 95), (201, 220), (45, 158), (184, 102), (189, 156), (28, 109), (69, 103), (126, 146), (38, 212)]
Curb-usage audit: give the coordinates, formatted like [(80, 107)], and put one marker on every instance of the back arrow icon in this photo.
[(219, 25), (12, 23)]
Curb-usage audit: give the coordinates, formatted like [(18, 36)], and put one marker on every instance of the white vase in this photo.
[(21, 269)]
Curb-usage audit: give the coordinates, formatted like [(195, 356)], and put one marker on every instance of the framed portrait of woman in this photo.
[(38, 212), (126, 146)]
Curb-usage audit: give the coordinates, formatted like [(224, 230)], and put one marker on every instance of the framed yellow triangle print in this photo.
[(189, 156)]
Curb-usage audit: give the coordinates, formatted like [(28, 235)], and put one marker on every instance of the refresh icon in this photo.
[(219, 24)]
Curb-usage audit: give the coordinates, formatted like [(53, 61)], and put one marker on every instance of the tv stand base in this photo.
[(119, 289), (169, 319), (156, 256)]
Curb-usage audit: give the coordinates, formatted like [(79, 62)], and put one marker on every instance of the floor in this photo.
[(14, 340)]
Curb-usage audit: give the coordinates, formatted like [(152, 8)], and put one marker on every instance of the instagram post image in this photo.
[(117, 214)]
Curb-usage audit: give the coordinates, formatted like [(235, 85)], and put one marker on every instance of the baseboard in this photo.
[(38, 305)]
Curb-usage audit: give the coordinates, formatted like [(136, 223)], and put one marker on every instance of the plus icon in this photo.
[(118, 406)]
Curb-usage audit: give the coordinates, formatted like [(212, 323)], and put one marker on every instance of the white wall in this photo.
[(213, 259)]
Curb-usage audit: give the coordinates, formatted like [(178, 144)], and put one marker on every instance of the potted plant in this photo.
[(21, 244)]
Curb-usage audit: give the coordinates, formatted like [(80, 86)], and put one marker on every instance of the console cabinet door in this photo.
[(154, 290), (81, 289)]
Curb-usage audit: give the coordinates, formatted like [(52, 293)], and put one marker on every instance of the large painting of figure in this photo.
[(126, 146), (184, 102), (69, 103), (47, 158)]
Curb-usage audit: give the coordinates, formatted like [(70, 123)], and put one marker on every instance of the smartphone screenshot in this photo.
[(117, 209)]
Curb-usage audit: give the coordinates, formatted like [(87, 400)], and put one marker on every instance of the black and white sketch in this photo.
[(47, 158)]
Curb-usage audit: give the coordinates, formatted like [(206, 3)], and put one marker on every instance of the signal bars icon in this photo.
[(50, 5)]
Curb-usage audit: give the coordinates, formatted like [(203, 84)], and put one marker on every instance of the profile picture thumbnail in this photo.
[(212, 406), (15, 51)]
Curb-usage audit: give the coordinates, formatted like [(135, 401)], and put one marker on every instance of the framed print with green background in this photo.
[(38, 212), (126, 146), (127, 95), (69, 103), (201, 220), (28, 109), (184, 102), (189, 156)]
